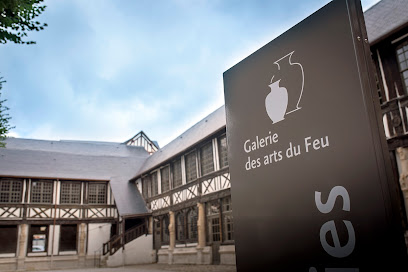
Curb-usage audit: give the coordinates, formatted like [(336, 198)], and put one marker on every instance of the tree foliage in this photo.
[(17, 17), (4, 118)]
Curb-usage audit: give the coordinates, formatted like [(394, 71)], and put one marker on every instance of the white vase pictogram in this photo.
[(285, 99), (276, 102)]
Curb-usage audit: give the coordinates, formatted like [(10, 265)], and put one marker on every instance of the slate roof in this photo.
[(385, 18), (206, 127), (79, 160)]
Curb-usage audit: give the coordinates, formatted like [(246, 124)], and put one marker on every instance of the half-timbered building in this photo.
[(387, 30), (61, 200), (79, 204)]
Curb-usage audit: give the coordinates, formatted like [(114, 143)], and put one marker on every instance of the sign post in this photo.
[(312, 186)]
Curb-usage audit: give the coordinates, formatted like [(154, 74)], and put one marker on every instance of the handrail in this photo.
[(118, 241)]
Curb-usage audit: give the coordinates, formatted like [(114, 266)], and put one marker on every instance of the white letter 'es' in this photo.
[(337, 250), (334, 193)]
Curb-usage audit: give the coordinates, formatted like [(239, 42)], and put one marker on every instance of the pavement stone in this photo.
[(157, 268)]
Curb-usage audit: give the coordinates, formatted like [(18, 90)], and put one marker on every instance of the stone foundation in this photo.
[(227, 254), (185, 255), (44, 263)]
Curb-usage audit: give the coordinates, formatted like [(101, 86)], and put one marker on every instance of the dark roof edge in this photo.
[(136, 215), (59, 178), (177, 154), (388, 34)]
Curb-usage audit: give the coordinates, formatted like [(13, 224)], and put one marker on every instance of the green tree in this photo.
[(17, 17), (4, 118)]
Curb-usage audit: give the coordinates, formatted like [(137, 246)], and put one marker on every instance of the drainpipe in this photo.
[(55, 218)]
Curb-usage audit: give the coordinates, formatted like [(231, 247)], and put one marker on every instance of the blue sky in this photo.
[(104, 70)]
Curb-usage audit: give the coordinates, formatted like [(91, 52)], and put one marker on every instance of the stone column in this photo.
[(402, 154), (201, 232), (201, 225), (172, 233), (22, 247), (82, 245)]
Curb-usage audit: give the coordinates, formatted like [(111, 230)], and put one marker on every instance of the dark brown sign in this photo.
[(311, 183)]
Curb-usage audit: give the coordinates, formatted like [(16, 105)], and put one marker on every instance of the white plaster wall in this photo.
[(97, 235), (139, 251), (139, 185), (55, 242)]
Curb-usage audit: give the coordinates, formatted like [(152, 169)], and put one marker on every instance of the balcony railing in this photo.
[(50, 211), (207, 184), (395, 121)]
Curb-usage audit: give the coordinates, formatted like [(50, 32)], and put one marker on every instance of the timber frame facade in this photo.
[(73, 204), (190, 198), (387, 28), (51, 218)]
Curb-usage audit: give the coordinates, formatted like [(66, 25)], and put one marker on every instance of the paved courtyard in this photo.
[(158, 268)]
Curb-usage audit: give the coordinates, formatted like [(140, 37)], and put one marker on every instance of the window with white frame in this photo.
[(177, 176), (220, 220), (206, 159), (222, 151), (97, 193), (165, 179), (191, 166), (402, 57), (10, 190), (41, 191), (146, 186), (70, 192), (155, 185)]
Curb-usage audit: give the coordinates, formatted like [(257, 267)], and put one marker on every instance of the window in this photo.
[(8, 238), (97, 193), (165, 230), (147, 183), (220, 220), (228, 219), (213, 218), (402, 56), (157, 232), (222, 151), (165, 179), (186, 225), (10, 190), (215, 230), (41, 191), (228, 228), (192, 224), (206, 159), (180, 225), (68, 238), (38, 238), (177, 179), (191, 166), (155, 185), (70, 192)]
